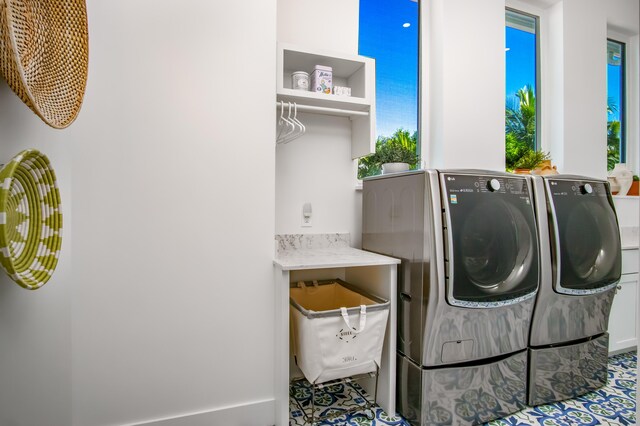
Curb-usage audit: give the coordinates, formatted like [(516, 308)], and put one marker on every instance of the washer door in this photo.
[(492, 247), (585, 236)]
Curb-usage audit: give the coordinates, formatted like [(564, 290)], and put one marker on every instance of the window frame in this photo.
[(519, 9), (631, 95), (624, 94), (358, 181)]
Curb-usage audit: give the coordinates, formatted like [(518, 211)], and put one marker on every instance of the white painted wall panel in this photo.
[(35, 326), (168, 309), (173, 168), (463, 98), (585, 89)]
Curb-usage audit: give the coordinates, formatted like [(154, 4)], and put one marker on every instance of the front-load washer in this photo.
[(581, 265), (466, 288)]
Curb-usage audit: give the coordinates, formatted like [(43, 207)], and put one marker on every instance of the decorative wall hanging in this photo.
[(30, 219), (44, 55)]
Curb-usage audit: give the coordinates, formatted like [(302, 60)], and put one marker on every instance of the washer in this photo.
[(470, 266), (569, 340)]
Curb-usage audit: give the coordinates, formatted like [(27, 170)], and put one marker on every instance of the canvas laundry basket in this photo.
[(337, 329), (30, 219), (44, 55)]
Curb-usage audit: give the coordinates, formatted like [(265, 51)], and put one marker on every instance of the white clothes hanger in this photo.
[(300, 128), (287, 127)]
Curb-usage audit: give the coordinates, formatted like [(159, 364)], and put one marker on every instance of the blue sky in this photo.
[(385, 36), (613, 89), (520, 60)]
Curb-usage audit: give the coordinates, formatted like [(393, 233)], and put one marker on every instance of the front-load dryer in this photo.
[(466, 288), (581, 265)]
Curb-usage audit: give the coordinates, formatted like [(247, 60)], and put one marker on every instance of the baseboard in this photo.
[(259, 413), (623, 347)]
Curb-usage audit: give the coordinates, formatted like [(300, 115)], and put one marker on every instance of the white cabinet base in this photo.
[(623, 317), (379, 280)]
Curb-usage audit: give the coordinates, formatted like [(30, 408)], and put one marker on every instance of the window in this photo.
[(521, 105), (388, 32), (616, 144)]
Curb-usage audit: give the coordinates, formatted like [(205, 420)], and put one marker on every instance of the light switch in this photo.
[(307, 214)]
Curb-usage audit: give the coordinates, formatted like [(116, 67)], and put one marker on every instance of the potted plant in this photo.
[(393, 154), (634, 186), (531, 160)]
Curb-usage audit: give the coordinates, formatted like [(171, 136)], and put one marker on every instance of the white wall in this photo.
[(168, 309), (35, 326), (317, 167), (463, 87), (578, 94)]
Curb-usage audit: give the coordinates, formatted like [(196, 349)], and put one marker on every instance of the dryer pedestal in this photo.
[(563, 372), (461, 394)]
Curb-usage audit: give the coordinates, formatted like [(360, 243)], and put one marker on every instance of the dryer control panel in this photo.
[(570, 188), (461, 188)]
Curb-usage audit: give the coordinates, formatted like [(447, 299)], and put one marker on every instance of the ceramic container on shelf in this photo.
[(615, 186), (522, 171), (394, 167), (300, 80), (545, 168), (623, 176)]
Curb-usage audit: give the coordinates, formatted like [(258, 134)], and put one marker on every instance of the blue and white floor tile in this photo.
[(614, 404)]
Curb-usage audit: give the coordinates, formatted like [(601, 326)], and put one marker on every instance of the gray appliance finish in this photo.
[(568, 341), (467, 282)]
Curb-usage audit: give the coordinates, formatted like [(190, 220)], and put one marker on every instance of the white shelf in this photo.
[(356, 72), (323, 100)]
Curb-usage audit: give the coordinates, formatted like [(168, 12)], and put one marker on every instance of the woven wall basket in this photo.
[(44, 55), (30, 219)]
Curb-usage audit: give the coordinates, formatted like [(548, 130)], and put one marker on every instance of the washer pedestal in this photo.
[(461, 394), (563, 372)]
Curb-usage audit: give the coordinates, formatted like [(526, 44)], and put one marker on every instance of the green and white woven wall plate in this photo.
[(30, 219)]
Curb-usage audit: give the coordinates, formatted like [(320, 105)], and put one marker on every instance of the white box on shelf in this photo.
[(322, 79)]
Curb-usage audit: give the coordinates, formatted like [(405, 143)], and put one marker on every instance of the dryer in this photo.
[(580, 242), (466, 288)]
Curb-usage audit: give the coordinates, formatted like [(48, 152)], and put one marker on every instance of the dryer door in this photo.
[(491, 246), (585, 237)]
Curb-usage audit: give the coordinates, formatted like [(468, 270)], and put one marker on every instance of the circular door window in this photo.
[(497, 247), (592, 245)]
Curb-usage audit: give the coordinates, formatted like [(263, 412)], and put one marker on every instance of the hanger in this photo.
[(298, 127), (287, 127)]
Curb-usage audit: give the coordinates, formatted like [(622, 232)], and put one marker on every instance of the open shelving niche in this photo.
[(356, 72)]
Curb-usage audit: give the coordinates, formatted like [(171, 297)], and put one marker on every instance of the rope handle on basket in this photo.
[(303, 286), (363, 319)]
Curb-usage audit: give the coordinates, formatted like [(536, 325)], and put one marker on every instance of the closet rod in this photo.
[(324, 110)]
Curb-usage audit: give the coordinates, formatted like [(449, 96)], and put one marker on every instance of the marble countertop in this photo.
[(629, 237), (315, 251)]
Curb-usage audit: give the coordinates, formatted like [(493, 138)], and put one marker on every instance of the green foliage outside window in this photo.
[(401, 147), (613, 138), (520, 130)]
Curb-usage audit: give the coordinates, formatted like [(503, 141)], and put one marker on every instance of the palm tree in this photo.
[(613, 144), (521, 120), (613, 136), (520, 126)]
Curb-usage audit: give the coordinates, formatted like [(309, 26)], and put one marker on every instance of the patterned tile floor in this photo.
[(614, 404)]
